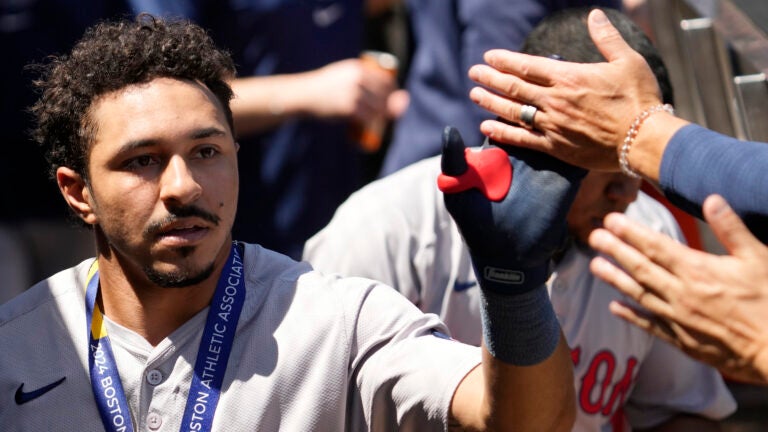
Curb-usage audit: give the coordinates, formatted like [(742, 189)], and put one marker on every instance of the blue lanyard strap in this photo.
[(212, 355)]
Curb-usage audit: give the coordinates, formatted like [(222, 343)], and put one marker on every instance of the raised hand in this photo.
[(350, 89), (710, 306), (583, 110), (510, 206)]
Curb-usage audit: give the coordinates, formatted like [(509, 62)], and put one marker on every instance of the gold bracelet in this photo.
[(632, 133)]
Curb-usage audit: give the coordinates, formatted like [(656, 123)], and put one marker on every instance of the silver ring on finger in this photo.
[(527, 114)]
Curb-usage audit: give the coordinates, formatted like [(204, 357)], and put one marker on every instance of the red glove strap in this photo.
[(488, 170)]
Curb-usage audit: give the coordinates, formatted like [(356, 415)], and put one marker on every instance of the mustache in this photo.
[(177, 213)]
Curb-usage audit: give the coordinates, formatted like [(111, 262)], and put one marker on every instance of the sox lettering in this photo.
[(597, 393), (211, 362)]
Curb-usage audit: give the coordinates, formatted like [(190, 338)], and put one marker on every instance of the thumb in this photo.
[(397, 103), (453, 162), (727, 226), (605, 36)]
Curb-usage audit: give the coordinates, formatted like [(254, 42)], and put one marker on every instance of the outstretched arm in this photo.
[(510, 207), (712, 307)]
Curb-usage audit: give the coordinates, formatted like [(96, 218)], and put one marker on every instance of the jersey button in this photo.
[(154, 377), (154, 421)]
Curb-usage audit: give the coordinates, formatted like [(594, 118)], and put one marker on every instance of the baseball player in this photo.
[(173, 325), (409, 241), (397, 230)]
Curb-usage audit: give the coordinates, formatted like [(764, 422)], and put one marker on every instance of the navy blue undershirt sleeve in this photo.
[(699, 162)]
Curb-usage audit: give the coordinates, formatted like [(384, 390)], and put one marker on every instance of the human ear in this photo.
[(76, 193)]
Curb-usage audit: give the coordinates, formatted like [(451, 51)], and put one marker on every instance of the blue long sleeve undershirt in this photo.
[(699, 162)]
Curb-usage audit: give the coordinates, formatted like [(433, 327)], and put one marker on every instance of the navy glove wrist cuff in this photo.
[(508, 277), (521, 330)]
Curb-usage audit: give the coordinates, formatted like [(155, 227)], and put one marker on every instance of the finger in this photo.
[(728, 227), (689, 329), (694, 345), (504, 133), (534, 69), (645, 321), (509, 86), (370, 106), (690, 337), (453, 161), (616, 50), (656, 249), (630, 287), (701, 345), (613, 275), (634, 262), (607, 39), (397, 103), (508, 109)]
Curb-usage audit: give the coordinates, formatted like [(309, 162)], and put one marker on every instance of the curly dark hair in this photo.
[(109, 57)]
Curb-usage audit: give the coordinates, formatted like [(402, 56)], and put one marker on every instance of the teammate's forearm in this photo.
[(262, 103), (698, 162)]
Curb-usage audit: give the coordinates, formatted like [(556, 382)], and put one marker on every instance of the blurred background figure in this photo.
[(36, 236)]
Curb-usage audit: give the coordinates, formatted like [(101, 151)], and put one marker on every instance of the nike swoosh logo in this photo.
[(325, 16), (24, 397), (459, 286)]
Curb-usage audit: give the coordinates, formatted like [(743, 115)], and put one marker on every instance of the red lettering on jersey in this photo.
[(576, 356), (620, 390), (596, 382), (605, 361)]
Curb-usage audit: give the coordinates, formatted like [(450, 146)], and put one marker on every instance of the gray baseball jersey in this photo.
[(398, 230), (312, 352)]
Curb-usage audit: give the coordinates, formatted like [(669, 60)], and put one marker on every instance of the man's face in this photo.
[(600, 193), (163, 179)]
